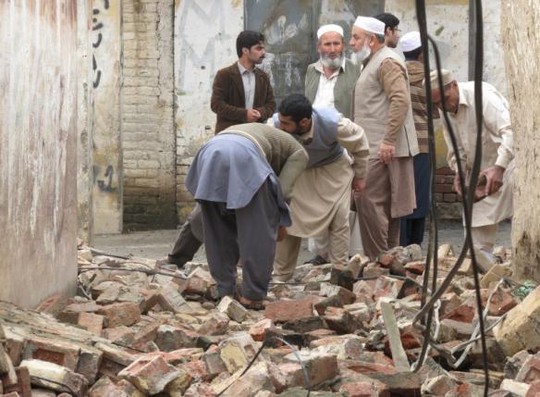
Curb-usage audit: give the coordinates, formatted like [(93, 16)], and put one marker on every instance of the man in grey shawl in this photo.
[(234, 178)]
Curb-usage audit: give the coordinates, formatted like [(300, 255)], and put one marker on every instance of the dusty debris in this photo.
[(138, 331)]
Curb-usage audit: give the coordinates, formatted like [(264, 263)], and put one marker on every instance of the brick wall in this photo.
[(148, 138), (448, 202)]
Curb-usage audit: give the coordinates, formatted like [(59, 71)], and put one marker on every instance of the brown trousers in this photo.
[(389, 195)]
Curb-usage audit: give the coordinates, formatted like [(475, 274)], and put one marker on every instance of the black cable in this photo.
[(468, 194), (479, 63), (147, 271)]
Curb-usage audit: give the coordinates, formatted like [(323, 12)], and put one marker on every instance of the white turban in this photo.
[(329, 28), (410, 41), (446, 75), (370, 24)]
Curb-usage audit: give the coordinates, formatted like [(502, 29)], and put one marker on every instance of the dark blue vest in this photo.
[(324, 148)]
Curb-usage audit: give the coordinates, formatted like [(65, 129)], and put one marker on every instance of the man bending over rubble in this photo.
[(497, 163), (322, 194), (243, 202)]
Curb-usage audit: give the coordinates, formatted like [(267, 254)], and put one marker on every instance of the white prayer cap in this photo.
[(447, 78), (370, 24), (329, 28), (410, 41)]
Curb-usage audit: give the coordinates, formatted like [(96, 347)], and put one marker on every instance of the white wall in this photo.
[(448, 24), (201, 48), (106, 80), (38, 162)]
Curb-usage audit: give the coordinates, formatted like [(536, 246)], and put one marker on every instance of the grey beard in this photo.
[(332, 64), (363, 54)]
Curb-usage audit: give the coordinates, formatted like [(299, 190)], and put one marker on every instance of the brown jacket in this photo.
[(228, 98)]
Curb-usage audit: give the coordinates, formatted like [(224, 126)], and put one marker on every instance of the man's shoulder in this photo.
[(260, 72), (229, 69)]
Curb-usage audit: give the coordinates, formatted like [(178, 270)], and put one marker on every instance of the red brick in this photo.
[(444, 188), (366, 367), (22, 388), (197, 369), (103, 387), (444, 171), (53, 305), (530, 371), (258, 330), (366, 388), (534, 390), (464, 313), (150, 374), (440, 179), (319, 367), (125, 313), (91, 322), (120, 335), (56, 351), (182, 355), (500, 302), (450, 197), (282, 311)]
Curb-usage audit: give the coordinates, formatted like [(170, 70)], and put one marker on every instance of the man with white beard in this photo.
[(330, 83), (382, 106)]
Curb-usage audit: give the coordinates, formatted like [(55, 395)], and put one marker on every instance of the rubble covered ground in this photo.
[(134, 330)]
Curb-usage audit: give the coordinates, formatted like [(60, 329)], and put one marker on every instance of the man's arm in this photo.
[(296, 162), (353, 138), (394, 83), (497, 121), (269, 103), (220, 103)]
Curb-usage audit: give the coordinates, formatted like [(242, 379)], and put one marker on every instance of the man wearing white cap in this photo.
[(497, 165), (383, 108), (330, 80), (413, 225), (330, 83)]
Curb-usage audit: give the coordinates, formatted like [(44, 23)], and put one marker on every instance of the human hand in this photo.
[(358, 186), (281, 233), (457, 185), (494, 179), (253, 115), (386, 152)]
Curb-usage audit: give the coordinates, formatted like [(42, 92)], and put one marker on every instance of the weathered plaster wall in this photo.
[(522, 47), (106, 81), (148, 139), (448, 24), (201, 48), (38, 138), (84, 122)]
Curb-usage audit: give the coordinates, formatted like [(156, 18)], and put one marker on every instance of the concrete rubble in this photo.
[(134, 330)]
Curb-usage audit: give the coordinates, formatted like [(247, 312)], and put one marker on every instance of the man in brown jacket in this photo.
[(242, 92)]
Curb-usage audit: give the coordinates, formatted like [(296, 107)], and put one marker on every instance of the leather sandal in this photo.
[(317, 261), (253, 305)]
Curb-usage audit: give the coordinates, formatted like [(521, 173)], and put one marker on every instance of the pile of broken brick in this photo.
[(134, 330)]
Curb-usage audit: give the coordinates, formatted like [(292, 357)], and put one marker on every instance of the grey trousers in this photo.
[(247, 234), (189, 239)]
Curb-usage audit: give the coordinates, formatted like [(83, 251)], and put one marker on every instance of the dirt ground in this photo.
[(157, 243)]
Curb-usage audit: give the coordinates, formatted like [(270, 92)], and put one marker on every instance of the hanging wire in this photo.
[(426, 313)]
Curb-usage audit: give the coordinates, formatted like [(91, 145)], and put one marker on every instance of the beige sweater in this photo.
[(285, 155)]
